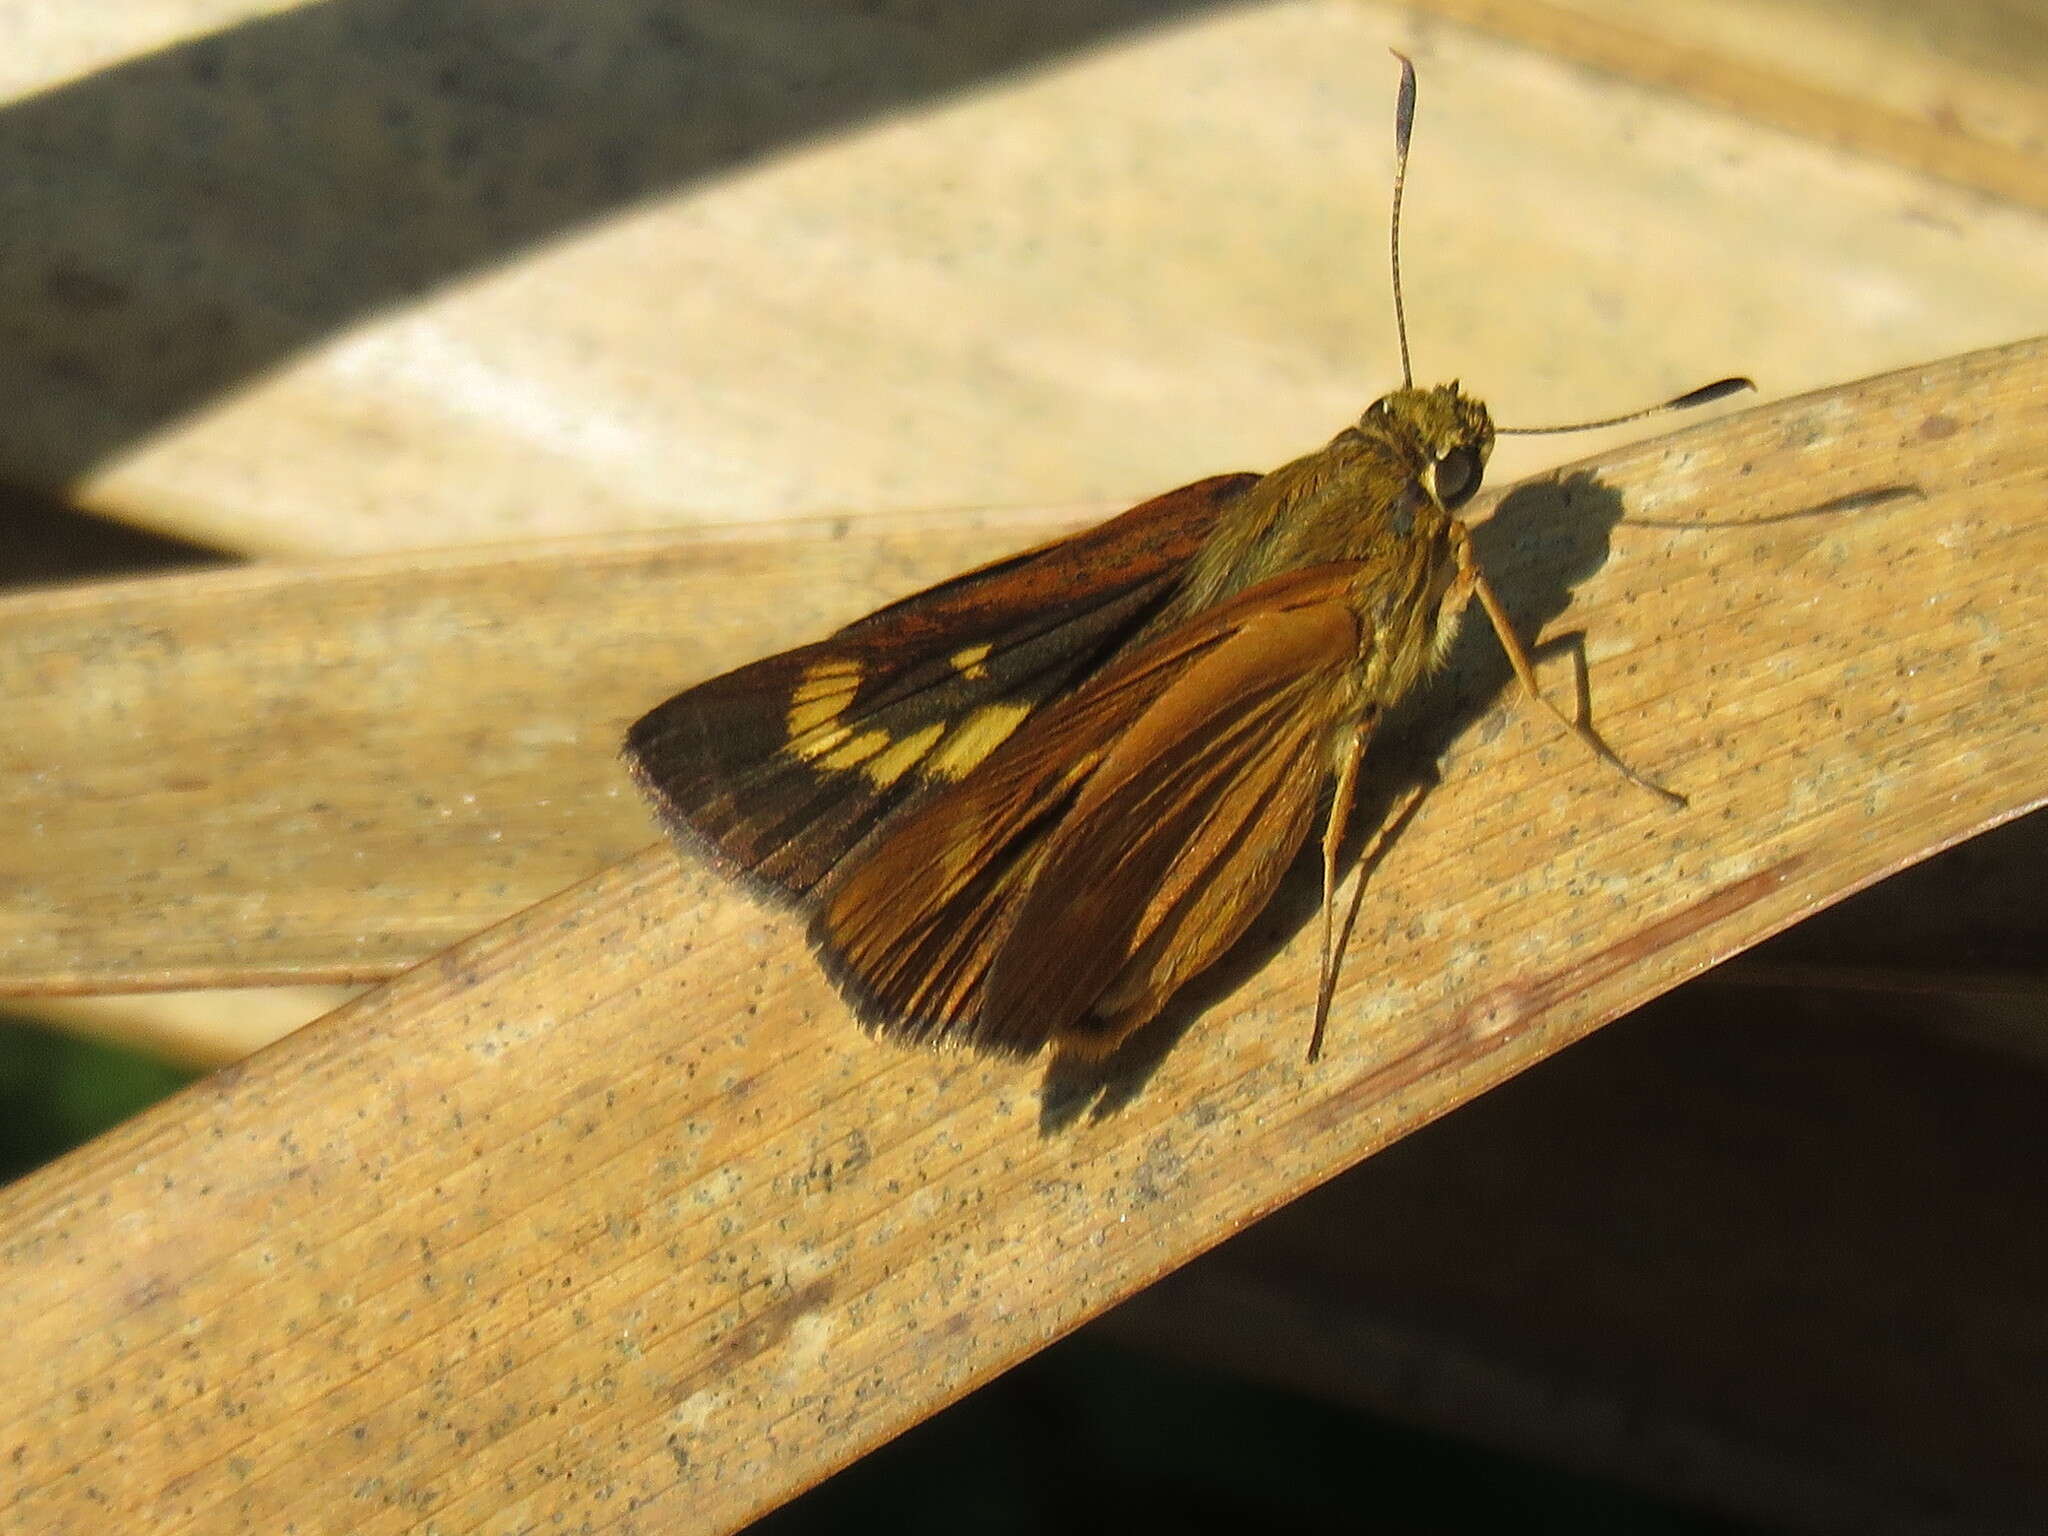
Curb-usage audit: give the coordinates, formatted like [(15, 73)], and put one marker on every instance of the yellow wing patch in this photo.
[(818, 699), (941, 750), (842, 749), (902, 756), (973, 739), (935, 750)]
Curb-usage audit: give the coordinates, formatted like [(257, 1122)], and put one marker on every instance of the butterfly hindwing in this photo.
[(1002, 911), (1184, 832)]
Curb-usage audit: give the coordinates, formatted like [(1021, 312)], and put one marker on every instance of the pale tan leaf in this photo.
[(612, 1206)]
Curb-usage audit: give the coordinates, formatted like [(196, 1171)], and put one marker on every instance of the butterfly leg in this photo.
[(1473, 582), (1333, 840)]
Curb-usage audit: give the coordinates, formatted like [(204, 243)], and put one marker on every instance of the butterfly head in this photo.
[(1443, 437)]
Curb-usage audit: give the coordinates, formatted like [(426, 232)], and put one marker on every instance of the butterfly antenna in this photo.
[(1706, 394), (1404, 126)]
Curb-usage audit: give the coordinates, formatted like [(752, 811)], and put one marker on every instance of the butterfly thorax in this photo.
[(1382, 493)]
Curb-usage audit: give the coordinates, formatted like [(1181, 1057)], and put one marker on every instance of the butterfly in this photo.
[(1025, 806)]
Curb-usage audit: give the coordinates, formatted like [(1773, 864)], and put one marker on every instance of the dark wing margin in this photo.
[(777, 770), (1112, 848)]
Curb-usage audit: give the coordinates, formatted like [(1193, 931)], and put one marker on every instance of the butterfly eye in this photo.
[(1457, 477)]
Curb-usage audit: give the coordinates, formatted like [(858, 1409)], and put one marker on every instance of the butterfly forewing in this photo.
[(779, 769)]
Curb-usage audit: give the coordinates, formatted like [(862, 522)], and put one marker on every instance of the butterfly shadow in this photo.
[(1543, 539)]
